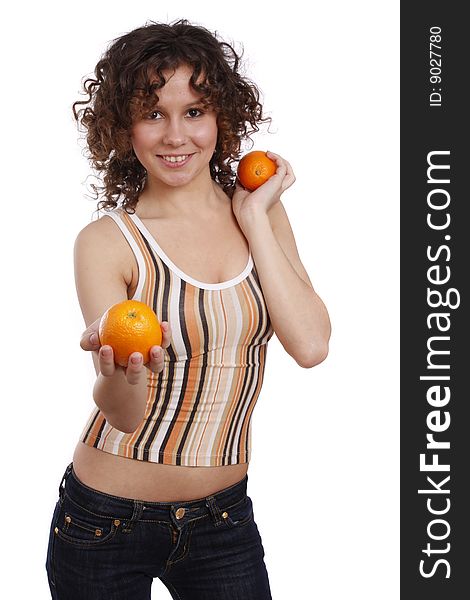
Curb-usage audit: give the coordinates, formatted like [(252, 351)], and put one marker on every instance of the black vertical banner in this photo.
[(434, 261)]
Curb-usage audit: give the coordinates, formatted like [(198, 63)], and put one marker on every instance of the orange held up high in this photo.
[(254, 169), (130, 326)]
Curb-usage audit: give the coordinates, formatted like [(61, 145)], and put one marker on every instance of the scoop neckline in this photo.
[(171, 265)]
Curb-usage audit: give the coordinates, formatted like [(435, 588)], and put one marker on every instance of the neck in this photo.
[(199, 197)]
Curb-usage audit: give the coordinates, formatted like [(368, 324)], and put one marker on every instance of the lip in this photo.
[(175, 165)]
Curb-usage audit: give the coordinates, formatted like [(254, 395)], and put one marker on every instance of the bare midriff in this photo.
[(153, 482)]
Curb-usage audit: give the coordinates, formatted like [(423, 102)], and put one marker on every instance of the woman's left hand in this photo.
[(245, 203)]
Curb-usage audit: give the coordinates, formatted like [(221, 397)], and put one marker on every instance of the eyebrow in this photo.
[(195, 103)]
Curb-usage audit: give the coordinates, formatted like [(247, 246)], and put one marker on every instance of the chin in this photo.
[(176, 181)]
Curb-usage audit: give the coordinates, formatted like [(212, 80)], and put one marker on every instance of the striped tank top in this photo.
[(199, 408)]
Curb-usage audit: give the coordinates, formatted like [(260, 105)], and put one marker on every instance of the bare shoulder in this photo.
[(282, 230), (103, 240), (103, 267), (100, 232)]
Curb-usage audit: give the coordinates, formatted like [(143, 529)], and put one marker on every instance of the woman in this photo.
[(157, 485)]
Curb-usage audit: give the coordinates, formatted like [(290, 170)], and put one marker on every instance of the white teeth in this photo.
[(175, 158)]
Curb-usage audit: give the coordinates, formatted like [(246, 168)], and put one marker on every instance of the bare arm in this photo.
[(298, 315), (100, 256)]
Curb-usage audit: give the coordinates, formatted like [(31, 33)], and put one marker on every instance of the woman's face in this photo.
[(176, 141)]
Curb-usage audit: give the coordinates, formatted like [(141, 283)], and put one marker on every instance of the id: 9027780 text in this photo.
[(435, 66)]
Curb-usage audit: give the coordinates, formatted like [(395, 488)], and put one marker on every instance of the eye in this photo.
[(191, 112), (152, 116)]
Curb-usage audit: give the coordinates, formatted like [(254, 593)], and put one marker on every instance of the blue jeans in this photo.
[(103, 547)]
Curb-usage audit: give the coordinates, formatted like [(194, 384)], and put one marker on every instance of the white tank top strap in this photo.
[(116, 216)]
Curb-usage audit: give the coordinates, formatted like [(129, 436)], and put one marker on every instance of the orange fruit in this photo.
[(254, 169), (130, 326)]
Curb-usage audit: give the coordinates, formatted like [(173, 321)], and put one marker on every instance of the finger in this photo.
[(106, 361), (289, 167), (166, 331), (280, 162), (284, 170), (276, 180), (134, 368), (90, 339), (157, 359), (289, 178), (281, 170), (277, 158), (90, 342)]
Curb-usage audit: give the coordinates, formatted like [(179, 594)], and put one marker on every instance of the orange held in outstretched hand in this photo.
[(254, 169), (130, 326)]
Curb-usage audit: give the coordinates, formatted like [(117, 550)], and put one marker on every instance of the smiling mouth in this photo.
[(175, 160)]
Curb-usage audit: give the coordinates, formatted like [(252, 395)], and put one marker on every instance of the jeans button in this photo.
[(180, 513)]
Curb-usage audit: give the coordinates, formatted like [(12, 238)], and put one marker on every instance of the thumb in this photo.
[(90, 339)]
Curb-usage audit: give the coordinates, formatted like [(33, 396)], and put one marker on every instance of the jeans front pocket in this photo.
[(82, 527), (239, 514)]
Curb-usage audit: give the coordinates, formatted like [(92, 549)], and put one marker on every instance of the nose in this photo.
[(174, 134)]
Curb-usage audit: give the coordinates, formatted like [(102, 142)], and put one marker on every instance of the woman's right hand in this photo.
[(90, 342)]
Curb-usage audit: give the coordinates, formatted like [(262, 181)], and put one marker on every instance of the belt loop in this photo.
[(214, 510), (136, 515), (67, 472)]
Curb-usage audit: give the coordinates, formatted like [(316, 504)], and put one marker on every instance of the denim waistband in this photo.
[(177, 512)]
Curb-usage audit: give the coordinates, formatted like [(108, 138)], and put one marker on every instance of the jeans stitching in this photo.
[(172, 589), (87, 543), (244, 499), (79, 523), (242, 523), (205, 516), (163, 523), (186, 546), (116, 516), (111, 518)]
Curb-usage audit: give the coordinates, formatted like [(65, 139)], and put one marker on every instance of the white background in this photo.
[(324, 470)]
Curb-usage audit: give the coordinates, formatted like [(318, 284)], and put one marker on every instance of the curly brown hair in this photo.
[(124, 89)]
